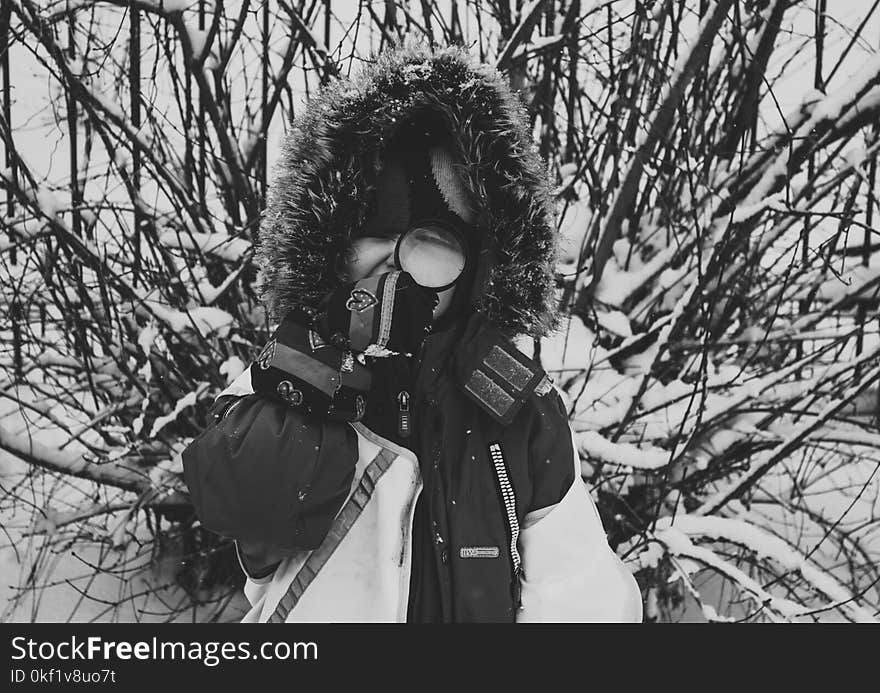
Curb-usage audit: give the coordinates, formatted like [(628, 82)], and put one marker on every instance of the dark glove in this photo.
[(389, 312), (300, 369), (268, 474)]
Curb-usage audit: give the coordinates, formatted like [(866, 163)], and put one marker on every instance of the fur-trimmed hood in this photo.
[(328, 169)]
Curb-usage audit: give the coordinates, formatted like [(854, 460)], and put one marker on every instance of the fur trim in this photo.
[(328, 168)]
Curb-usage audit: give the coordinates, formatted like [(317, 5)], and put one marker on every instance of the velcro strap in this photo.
[(500, 378), (371, 307), (305, 366), (299, 368)]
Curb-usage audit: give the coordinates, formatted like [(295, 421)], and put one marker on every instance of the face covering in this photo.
[(434, 253)]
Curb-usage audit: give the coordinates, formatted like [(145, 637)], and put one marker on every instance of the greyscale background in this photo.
[(714, 166)]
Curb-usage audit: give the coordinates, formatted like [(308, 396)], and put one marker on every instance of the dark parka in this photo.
[(262, 472)]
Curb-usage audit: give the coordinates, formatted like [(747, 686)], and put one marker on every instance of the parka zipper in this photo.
[(508, 499), (403, 417), (404, 412), (415, 426)]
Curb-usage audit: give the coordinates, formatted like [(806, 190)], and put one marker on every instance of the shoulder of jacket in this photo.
[(499, 378)]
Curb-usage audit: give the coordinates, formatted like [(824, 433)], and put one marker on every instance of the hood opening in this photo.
[(418, 178), (341, 164)]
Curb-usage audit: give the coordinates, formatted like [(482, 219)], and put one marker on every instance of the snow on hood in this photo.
[(329, 164)]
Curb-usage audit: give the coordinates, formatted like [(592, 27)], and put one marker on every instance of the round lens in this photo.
[(433, 255)]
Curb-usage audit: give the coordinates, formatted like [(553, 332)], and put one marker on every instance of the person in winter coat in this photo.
[(391, 455)]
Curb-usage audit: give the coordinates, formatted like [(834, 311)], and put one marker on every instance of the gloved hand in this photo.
[(297, 367), (378, 316)]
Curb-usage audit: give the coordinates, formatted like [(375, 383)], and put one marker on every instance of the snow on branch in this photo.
[(679, 544), (204, 320), (72, 463), (657, 129), (187, 400), (593, 445), (220, 245), (766, 460), (677, 533)]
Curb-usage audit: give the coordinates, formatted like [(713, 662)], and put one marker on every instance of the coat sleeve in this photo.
[(267, 475), (570, 573)]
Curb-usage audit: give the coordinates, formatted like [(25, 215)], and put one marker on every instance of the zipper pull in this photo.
[(403, 414), (516, 589)]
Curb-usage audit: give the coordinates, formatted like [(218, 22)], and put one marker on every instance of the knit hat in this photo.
[(418, 180)]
